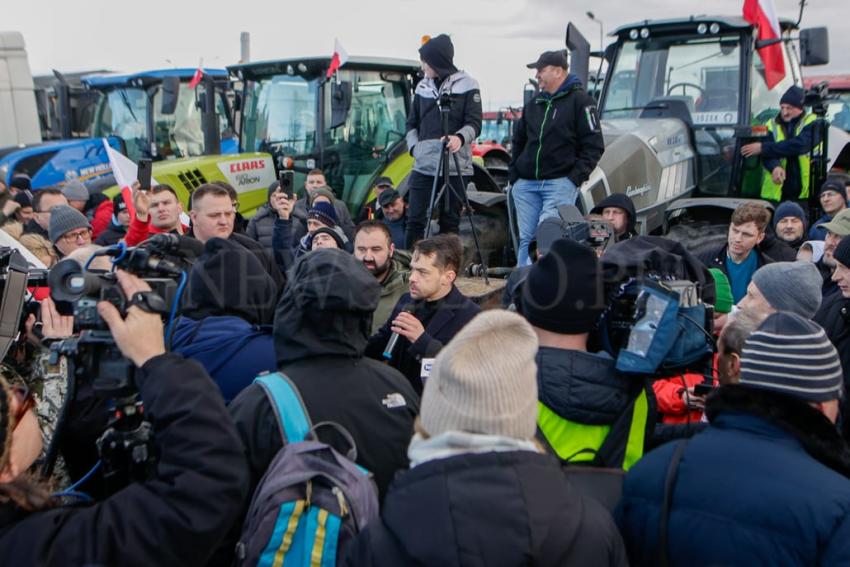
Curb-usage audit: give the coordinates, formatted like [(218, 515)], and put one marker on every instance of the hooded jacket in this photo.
[(622, 202), (511, 508), (582, 393), (424, 123), (320, 334), (558, 136), (764, 484), (174, 519)]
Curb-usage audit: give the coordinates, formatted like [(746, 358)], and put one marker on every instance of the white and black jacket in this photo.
[(424, 128)]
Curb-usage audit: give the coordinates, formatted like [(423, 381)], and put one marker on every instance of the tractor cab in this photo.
[(351, 126), (159, 115)]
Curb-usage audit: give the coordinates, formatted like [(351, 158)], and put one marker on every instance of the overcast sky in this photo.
[(494, 39)]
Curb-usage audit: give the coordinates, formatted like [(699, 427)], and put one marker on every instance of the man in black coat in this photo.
[(430, 315), (321, 329)]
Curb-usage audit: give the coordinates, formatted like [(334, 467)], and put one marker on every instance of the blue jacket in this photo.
[(232, 350), (747, 493)]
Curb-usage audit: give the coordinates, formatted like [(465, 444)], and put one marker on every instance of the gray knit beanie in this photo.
[(791, 286), (64, 218), (75, 191), (485, 380), (793, 356)]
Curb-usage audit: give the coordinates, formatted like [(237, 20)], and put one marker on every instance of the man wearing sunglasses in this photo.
[(69, 229)]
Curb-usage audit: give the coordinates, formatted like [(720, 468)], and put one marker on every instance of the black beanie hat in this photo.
[(563, 290), (439, 53), (24, 198), (228, 279), (620, 201), (842, 251), (795, 96)]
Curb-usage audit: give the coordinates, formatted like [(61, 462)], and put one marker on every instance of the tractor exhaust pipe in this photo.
[(579, 49)]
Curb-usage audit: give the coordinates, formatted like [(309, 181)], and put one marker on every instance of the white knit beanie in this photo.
[(485, 380)]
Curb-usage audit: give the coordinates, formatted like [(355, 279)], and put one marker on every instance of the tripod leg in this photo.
[(434, 197), (461, 195)]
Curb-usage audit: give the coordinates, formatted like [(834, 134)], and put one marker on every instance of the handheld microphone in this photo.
[(388, 350)]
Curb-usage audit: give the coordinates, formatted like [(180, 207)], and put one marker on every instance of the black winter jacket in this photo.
[(489, 509), (261, 225), (112, 235), (717, 258), (453, 312), (834, 317), (176, 518), (322, 352), (424, 125), (558, 136)]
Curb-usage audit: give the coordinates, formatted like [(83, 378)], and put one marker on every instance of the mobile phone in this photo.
[(703, 389), (144, 174), (286, 183)]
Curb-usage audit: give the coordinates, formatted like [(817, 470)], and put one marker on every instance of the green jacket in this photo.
[(392, 288)]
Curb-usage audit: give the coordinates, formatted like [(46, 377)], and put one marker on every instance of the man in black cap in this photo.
[(442, 82), (787, 156), (557, 143), (833, 200), (588, 412), (372, 209), (393, 210)]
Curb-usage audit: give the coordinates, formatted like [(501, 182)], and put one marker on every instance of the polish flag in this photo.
[(762, 14), (125, 172), (196, 78), (340, 57)]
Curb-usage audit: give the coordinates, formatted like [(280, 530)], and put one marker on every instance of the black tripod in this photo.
[(817, 97), (445, 105)]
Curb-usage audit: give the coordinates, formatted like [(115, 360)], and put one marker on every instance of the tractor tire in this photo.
[(699, 237)]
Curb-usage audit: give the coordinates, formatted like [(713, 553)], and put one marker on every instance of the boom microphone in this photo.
[(388, 350)]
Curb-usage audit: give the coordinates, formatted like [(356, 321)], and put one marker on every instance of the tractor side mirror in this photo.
[(814, 46), (170, 92), (340, 103), (529, 92), (610, 51)]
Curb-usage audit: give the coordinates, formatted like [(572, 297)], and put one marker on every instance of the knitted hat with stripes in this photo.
[(485, 380), (791, 355)]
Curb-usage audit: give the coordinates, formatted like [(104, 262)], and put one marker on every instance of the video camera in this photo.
[(15, 279), (594, 231), (126, 447), (817, 97)]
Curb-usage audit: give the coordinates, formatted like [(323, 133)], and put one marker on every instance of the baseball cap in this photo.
[(554, 58), (840, 225), (382, 182), (388, 197)]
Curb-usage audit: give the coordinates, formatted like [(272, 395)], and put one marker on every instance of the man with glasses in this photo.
[(69, 229), (42, 203)]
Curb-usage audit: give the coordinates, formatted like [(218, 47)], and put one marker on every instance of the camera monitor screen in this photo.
[(14, 284)]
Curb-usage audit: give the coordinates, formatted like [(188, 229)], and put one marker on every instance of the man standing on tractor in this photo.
[(788, 155), (557, 143), (445, 89)]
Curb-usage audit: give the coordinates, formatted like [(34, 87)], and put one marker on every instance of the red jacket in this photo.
[(139, 231), (101, 218), (671, 405)]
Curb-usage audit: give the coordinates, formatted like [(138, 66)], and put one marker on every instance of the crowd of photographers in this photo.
[(308, 388)]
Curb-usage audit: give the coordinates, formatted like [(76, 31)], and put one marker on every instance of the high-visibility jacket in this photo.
[(773, 191)]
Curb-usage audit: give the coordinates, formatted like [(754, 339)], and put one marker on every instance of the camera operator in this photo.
[(459, 95), (786, 157), (174, 518)]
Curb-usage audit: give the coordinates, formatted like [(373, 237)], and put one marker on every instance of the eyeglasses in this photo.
[(26, 401), (84, 234)]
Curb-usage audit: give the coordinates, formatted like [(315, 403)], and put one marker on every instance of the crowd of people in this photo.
[(507, 436)]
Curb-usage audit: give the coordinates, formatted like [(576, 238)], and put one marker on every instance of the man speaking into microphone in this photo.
[(429, 315)]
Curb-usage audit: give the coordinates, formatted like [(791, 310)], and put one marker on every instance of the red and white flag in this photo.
[(339, 59), (198, 76), (125, 173), (762, 15)]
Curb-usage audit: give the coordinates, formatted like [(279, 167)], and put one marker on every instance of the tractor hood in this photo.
[(649, 159)]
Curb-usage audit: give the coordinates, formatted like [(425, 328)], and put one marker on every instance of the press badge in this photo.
[(425, 373)]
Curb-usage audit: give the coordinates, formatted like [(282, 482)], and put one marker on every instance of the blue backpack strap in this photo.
[(292, 417)]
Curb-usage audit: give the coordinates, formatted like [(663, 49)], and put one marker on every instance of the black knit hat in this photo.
[(439, 53), (842, 251), (620, 201), (24, 198), (563, 290), (795, 96), (334, 232), (119, 205), (323, 212)]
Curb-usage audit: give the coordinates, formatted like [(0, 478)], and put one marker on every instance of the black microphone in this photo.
[(388, 350)]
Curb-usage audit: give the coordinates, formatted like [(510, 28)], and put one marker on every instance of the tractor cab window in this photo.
[(703, 74), (280, 115), (374, 124), (123, 113), (493, 130), (179, 134)]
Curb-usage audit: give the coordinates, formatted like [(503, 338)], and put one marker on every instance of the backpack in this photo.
[(312, 501)]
